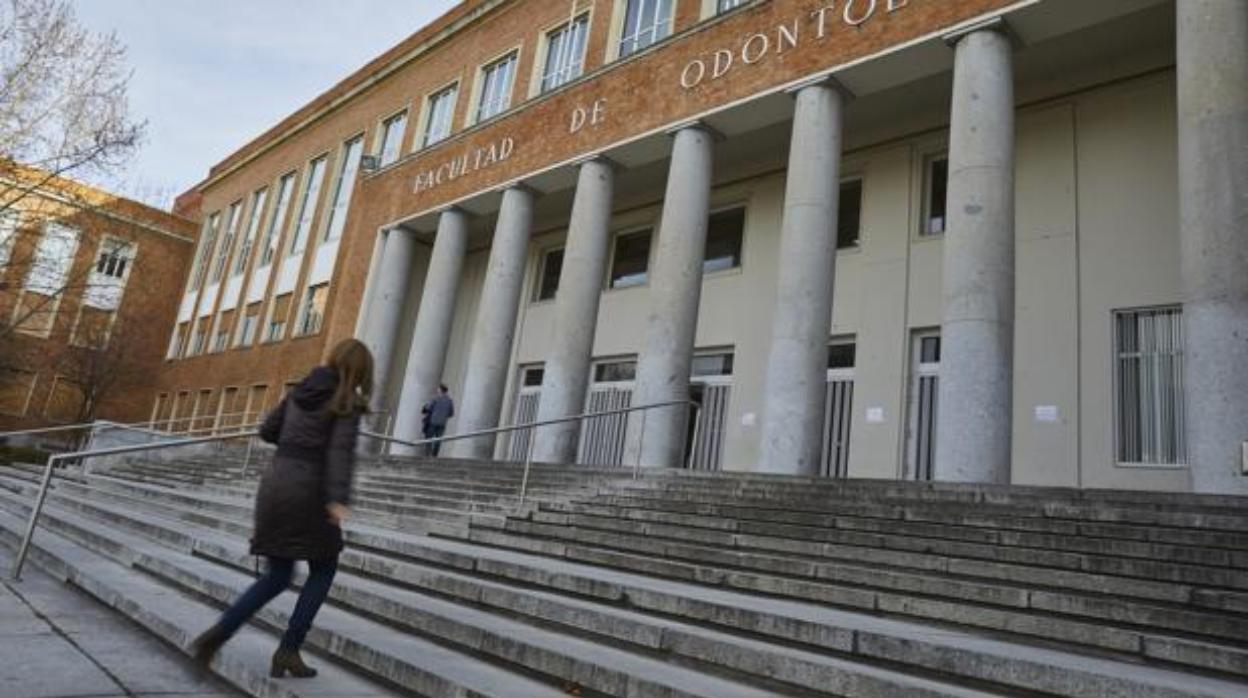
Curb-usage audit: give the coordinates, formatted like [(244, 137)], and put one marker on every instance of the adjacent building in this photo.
[(88, 289), (976, 240)]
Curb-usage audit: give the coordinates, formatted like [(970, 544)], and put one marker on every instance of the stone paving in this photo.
[(56, 642)]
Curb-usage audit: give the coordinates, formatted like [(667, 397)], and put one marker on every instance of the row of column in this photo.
[(975, 389)]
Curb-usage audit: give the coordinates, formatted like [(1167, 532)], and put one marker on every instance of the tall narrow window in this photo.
[(849, 214), (1149, 380), (725, 5), (441, 112), (54, 258), (313, 312), (344, 187), (935, 191), (207, 238), (724, 235), (548, 279), (497, 80), (251, 320), (232, 220), (8, 234), (114, 258), (269, 246), (392, 130), (645, 22), (631, 263), (565, 53), (307, 206), (258, 200), (277, 318)]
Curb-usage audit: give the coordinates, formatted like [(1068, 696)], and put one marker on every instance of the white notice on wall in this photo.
[(1047, 413), (875, 415)]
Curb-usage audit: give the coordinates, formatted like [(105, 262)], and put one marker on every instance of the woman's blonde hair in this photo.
[(353, 363)]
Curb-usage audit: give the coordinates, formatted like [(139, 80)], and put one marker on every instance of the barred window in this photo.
[(645, 22), (496, 81), (441, 111), (1149, 421), (565, 53)]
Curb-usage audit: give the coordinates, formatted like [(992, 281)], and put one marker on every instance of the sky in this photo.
[(210, 75)]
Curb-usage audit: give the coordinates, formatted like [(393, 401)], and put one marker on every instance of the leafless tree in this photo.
[(97, 361)]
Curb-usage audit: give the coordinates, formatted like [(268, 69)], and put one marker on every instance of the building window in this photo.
[(849, 214), (8, 234), (15, 390), (114, 258), (392, 131), (548, 278), (313, 311), (645, 22), (497, 80), (708, 365), (67, 402), (93, 327), (199, 337), (277, 318), (258, 200), (251, 320), (935, 190), (724, 234), (284, 188), (178, 341), (222, 340), (54, 257), (232, 220), (723, 6), (344, 187), (565, 53), (615, 371), (207, 238), (441, 112), (841, 355), (307, 207), (1148, 346), (631, 262), (532, 377), (36, 313)]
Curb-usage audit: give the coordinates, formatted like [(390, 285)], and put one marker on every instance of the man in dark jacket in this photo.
[(437, 412)]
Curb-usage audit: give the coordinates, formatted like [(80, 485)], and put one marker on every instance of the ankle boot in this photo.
[(288, 660), (205, 647)]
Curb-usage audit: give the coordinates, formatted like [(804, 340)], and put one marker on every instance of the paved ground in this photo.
[(58, 642)]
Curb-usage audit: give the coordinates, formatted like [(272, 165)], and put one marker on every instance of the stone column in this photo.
[(977, 331), (566, 375), (490, 353), (675, 290), (386, 312), (797, 363), (1213, 232), (427, 355)]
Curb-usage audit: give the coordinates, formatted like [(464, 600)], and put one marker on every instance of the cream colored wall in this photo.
[(1095, 230)]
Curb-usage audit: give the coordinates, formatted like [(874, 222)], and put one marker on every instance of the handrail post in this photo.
[(247, 458), (640, 440), (528, 463), (44, 484)]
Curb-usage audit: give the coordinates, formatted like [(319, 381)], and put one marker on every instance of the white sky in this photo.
[(209, 75)]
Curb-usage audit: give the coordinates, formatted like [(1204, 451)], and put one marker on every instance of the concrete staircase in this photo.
[(684, 584)]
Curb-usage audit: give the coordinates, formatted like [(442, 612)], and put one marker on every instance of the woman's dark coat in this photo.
[(312, 468)]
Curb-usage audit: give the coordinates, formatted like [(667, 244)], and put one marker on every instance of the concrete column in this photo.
[(977, 332), (386, 313), (566, 375), (427, 355), (675, 290), (1213, 232), (490, 353), (802, 320)]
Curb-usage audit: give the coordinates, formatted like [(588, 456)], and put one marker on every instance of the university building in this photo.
[(974, 240), (88, 287)]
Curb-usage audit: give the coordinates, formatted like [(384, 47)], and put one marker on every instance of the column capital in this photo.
[(995, 24), (597, 157), (699, 124), (518, 186), (824, 81), (451, 208)]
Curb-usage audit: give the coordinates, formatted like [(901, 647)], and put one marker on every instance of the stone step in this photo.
[(177, 618), (909, 547), (760, 614), (969, 517), (596, 666)]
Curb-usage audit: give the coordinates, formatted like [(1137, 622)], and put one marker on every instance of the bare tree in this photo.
[(98, 361)]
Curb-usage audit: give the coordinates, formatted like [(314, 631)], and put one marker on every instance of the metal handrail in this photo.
[(46, 481), (134, 426), (528, 426)]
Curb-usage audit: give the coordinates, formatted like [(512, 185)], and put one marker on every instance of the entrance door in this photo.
[(924, 380), (524, 412)]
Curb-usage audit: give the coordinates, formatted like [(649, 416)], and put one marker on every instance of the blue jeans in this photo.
[(274, 582)]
